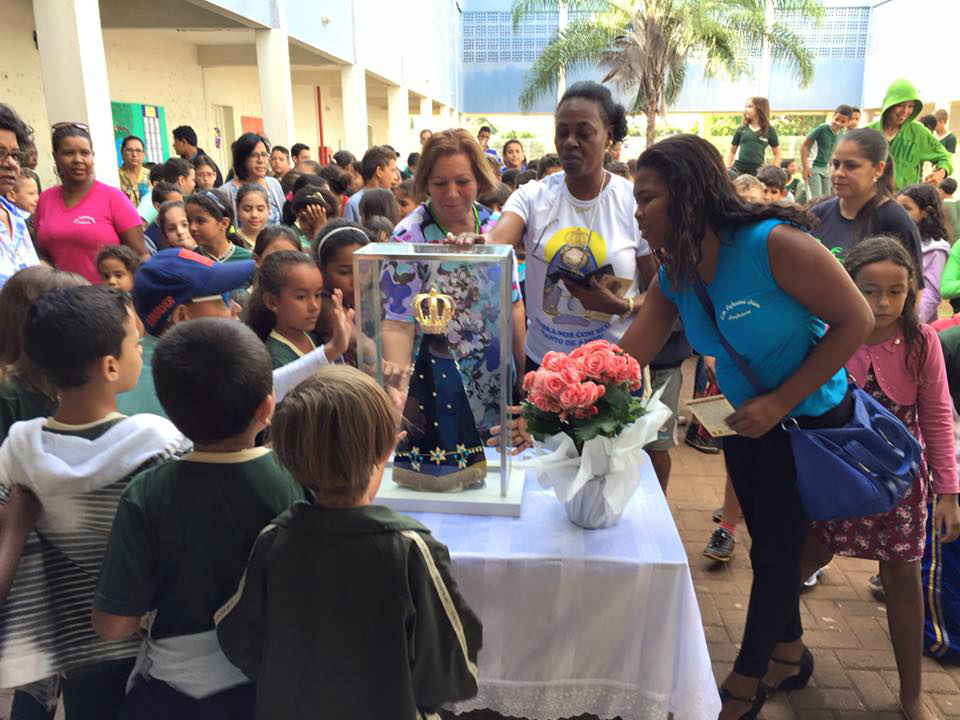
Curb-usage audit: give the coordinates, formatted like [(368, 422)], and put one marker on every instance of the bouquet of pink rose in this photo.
[(585, 394)]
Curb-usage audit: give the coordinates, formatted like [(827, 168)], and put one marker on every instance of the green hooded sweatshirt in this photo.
[(913, 144)]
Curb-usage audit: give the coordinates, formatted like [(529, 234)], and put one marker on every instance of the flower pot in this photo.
[(589, 509)]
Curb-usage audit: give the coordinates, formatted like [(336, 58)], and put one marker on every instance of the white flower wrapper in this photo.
[(596, 485)]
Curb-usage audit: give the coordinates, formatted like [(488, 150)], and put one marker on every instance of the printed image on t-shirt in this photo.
[(574, 251), (566, 237)]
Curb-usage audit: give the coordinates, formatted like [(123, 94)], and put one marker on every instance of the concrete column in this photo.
[(276, 88), (427, 120), (398, 118), (448, 117), (353, 82), (74, 72)]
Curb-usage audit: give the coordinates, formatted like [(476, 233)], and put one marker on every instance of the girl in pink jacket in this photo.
[(901, 365)]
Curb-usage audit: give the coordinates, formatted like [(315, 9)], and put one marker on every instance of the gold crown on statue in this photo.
[(433, 311)]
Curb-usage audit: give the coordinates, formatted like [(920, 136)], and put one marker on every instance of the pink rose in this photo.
[(553, 361), (553, 384), (635, 374), (571, 398), (594, 346), (571, 373), (529, 381), (598, 391), (596, 363), (542, 402)]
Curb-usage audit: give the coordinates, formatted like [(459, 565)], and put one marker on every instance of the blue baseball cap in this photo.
[(175, 276)]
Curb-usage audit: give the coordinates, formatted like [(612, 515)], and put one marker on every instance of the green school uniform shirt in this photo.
[(799, 189), (354, 611), (282, 351), (951, 209), (950, 342), (18, 403), (826, 140), (301, 236), (182, 535), (753, 147), (913, 144), (233, 253), (949, 142), (143, 397)]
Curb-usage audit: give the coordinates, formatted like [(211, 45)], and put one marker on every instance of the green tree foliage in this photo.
[(645, 44)]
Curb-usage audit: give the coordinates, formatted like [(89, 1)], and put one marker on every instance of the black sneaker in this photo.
[(720, 545), (710, 447), (876, 587)]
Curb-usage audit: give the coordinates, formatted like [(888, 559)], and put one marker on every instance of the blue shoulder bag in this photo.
[(861, 468)]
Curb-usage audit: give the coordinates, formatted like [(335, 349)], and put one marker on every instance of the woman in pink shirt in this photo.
[(902, 366), (75, 219)]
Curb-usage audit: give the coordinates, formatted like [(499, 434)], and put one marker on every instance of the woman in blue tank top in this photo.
[(776, 291)]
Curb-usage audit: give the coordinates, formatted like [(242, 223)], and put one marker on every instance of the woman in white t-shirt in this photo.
[(584, 253)]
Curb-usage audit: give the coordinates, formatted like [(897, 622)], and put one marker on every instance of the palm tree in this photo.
[(645, 44)]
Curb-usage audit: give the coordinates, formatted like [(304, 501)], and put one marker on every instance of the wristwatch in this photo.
[(631, 302)]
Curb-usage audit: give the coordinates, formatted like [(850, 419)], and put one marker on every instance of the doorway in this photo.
[(224, 136)]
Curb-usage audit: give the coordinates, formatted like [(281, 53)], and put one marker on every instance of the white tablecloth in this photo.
[(582, 621)]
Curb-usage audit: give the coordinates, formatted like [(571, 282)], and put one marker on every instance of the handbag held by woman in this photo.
[(860, 468)]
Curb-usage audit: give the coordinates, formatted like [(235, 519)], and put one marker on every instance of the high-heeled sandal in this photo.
[(906, 715), (756, 702), (794, 682)]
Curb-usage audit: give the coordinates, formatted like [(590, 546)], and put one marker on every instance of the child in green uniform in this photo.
[(286, 304), (951, 207), (25, 394), (312, 206), (824, 136), (752, 139), (177, 286), (911, 144), (364, 620), (942, 132), (77, 464), (272, 239), (795, 183), (211, 226), (334, 249), (24, 391), (184, 530)]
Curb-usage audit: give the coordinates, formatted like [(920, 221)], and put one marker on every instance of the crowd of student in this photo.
[(135, 408)]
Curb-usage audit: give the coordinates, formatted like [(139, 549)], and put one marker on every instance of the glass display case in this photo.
[(435, 328)]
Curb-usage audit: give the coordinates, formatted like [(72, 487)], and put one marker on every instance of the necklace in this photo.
[(436, 220), (575, 257)]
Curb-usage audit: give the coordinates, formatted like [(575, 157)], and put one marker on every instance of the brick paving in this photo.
[(855, 675)]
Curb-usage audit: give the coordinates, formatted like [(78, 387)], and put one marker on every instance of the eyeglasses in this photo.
[(77, 125), (18, 156), (259, 156)]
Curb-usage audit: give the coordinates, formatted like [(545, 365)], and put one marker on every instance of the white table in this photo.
[(582, 621)]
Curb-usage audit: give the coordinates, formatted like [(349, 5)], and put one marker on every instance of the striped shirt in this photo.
[(45, 625)]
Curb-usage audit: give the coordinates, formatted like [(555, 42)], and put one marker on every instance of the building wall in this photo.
[(496, 61), (332, 112), (406, 43), (898, 29), (305, 116), (21, 85)]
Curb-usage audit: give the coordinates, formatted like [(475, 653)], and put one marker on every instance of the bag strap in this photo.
[(742, 365)]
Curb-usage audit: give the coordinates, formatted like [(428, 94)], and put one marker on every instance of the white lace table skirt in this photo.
[(582, 621)]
